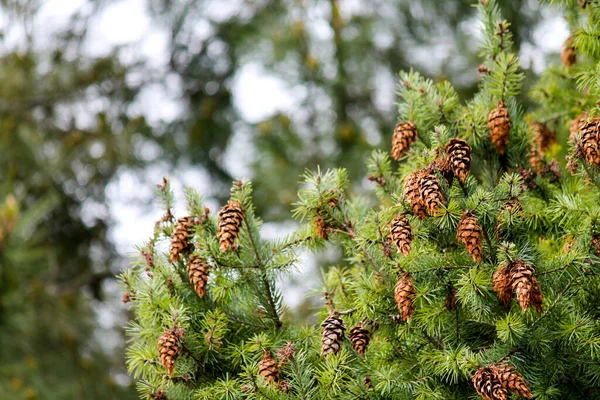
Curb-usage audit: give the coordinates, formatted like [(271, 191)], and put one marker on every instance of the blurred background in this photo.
[(101, 99)]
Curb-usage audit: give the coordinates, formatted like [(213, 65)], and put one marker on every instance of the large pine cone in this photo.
[(401, 234), (332, 334), (502, 284), (180, 238), (568, 55), (169, 347), (589, 141), (499, 125), (469, 233), (576, 125), (230, 222), (430, 190), (487, 386), (413, 195), (198, 271), (511, 380), (543, 137), (405, 134), (359, 337), (404, 294), (525, 286), (267, 367), (459, 153)]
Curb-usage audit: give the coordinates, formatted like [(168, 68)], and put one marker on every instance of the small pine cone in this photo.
[(568, 55), (511, 380), (404, 294), (321, 227), (451, 301), (126, 297), (469, 233), (158, 395), (499, 125), (589, 142), (332, 334), (285, 386), (543, 137), (502, 284), (367, 382), (267, 368), (359, 337), (405, 134), (412, 194), (198, 271), (535, 159), (430, 190), (576, 125), (459, 153), (180, 239), (169, 347), (230, 222), (487, 386), (596, 244), (401, 234), (525, 285), (286, 353)]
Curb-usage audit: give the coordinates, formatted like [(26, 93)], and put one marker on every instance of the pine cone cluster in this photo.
[(198, 270), (169, 348), (459, 156), (469, 233), (405, 134), (230, 222), (267, 368), (359, 337), (332, 334), (497, 381), (499, 124), (568, 55), (180, 243), (404, 294), (401, 234), (589, 141), (518, 278)]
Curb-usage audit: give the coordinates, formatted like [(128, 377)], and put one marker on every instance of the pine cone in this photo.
[(169, 347), (198, 271), (442, 164), (267, 368), (535, 159), (525, 285), (359, 337), (321, 227), (499, 125), (412, 194), (589, 141), (576, 125), (404, 134), (469, 233), (502, 284), (332, 334), (404, 294), (158, 395), (487, 386), (401, 234), (510, 380), (230, 222), (430, 190), (459, 153), (180, 238), (568, 55), (543, 137)]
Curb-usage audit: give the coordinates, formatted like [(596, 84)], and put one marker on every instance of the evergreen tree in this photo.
[(474, 274)]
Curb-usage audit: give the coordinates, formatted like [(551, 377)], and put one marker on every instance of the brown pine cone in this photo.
[(535, 159), (502, 284), (401, 234), (543, 137), (589, 141), (332, 334), (511, 380), (359, 337), (568, 55), (576, 125), (180, 238), (430, 190), (321, 227), (459, 154), (230, 222), (158, 395), (169, 348), (405, 134), (525, 285), (413, 195), (198, 271), (404, 294), (499, 124), (267, 368), (487, 386), (469, 233)]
